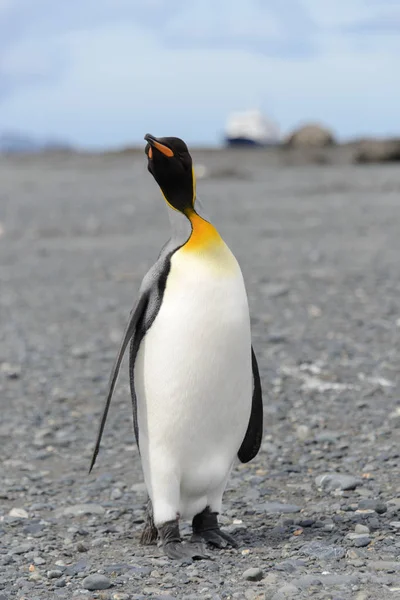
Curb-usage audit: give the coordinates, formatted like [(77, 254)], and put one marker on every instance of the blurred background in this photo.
[(99, 74), (291, 112)]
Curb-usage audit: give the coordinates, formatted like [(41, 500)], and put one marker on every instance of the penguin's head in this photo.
[(171, 165)]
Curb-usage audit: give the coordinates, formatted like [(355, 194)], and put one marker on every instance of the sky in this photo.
[(102, 73)]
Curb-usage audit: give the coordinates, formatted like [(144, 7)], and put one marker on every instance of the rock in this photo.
[(19, 513), (81, 547), (361, 528), (54, 574), (96, 582), (320, 550), (362, 541), (120, 596), (10, 371), (60, 583), (302, 432), (277, 507), (139, 488), (336, 481), (289, 589), (253, 574), (376, 505), (276, 338), (78, 510), (22, 548), (377, 151), (395, 524), (312, 135), (384, 565)]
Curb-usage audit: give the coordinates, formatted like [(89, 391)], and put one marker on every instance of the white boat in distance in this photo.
[(251, 128)]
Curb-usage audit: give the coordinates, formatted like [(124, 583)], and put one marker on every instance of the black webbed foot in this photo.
[(205, 527), (173, 546)]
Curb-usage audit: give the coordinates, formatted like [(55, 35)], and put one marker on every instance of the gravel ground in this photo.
[(317, 514)]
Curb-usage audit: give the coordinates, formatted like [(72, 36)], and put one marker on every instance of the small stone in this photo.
[(22, 548), (362, 541), (277, 507), (19, 513), (361, 528), (120, 596), (81, 547), (253, 574), (54, 574), (395, 524), (10, 371), (138, 487), (302, 432), (336, 481), (288, 590), (116, 494), (376, 505), (384, 565), (96, 582), (78, 510), (323, 551), (60, 583)]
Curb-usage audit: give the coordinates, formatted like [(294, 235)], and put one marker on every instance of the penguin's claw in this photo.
[(216, 538), (181, 551)]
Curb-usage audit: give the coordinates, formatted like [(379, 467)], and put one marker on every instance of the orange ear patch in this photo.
[(150, 153), (163, 149)]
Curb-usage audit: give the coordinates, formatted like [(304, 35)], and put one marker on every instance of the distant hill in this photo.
[(14, 142)]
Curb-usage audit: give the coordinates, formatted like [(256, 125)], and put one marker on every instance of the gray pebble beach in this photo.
[(317, 513)]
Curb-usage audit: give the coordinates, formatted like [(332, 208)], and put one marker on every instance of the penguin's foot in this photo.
[(149, 534), (174, 547), (205, 527)]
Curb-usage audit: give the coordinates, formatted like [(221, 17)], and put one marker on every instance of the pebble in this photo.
[(22, 548), (138, 487), (253, 574), (78, 510), (54, 574), (277, 507), (336, 481), (320, 550), (20, 513), (361, 528), (362, 541), (82, 547), (120, 596), (376, 505), (289, 589), (60, 583), (96, 582), (395, 524), (384, 565), (302, 432)]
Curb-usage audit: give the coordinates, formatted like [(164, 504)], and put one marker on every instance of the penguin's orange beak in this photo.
[(154, 143)]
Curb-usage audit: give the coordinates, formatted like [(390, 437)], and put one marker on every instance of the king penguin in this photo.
[(194, 378)]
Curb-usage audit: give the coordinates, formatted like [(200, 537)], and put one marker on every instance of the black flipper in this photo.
[(253, 438), (130, 329)]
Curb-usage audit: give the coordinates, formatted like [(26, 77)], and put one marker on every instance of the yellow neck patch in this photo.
[(204, 236)]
